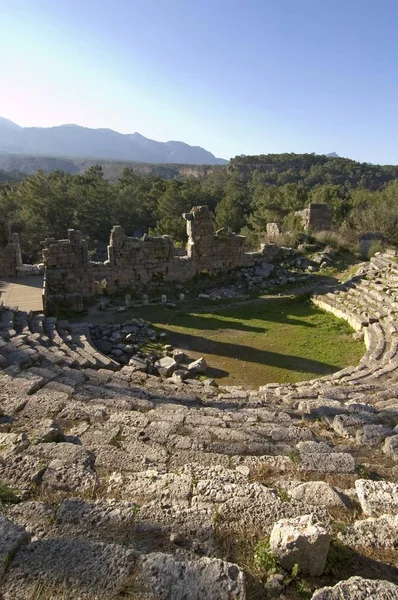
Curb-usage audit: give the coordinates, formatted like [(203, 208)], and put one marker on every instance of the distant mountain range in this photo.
[(82, 142)]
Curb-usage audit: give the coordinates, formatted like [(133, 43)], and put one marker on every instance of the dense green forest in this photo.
[(246, 194)]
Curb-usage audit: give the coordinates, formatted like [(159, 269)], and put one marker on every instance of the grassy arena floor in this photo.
[(259, 341)]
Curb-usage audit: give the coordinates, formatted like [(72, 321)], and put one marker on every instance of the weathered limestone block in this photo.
[(81, 568), (11, 538), (300, 541), (273, 231), (377, 497), (374, 532), (201, 579), (357, 588), (319, 493), (197, 366), (316, 217), (166, 366), (391, 446)]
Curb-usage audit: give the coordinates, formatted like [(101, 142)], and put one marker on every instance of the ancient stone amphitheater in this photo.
[(116, 484)]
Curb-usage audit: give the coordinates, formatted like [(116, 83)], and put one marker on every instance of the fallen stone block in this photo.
[(197, 366), (180, 375), (139, 363), (377, 497), (166, 366), (373, 435), (301, 541), (46, 432), (319, 493)]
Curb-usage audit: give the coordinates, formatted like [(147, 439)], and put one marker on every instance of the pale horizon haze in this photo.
[(235, 78)]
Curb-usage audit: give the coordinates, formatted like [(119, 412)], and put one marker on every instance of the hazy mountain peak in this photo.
[(332, 155), (9, 124), (75, 141)]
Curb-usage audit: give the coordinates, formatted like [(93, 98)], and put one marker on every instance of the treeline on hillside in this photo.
[(312, 169), (113, 169), (7, 177), (245, 195)]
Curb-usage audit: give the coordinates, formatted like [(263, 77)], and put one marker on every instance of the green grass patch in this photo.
[(260, 341), (344, 265)]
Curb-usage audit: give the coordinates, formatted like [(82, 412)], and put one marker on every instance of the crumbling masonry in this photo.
[(315, 218), (71, 277), (10, 251)]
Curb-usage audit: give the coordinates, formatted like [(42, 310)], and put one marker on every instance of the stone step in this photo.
[(82, 343), (21, 321)]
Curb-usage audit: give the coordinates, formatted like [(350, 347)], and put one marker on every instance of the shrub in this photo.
[(375, 246), (334, 239), (264, 559)]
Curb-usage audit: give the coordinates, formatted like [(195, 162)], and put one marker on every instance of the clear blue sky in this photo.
[(233, 76)]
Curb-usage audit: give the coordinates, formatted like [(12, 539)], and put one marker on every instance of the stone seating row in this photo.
[(30, 339)]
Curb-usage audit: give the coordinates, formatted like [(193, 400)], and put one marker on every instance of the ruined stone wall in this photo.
[(69, 277), (201, 232), (10, 253), (136, 262), (316, 217), (209, 249), (133, 262), (367, 240), (273, 231)]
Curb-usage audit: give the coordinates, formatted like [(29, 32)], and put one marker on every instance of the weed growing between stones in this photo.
[(265, 577), (363, 472), (8, 495), (264, 560), (283, 495), (294, 456)]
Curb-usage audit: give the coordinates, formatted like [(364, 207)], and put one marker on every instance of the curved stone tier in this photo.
[(121, 483)]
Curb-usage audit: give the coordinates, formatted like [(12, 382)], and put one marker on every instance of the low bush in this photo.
[(334, 239)]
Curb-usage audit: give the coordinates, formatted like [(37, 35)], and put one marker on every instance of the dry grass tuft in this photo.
[(334, 239), (133, 589), (46, 591)]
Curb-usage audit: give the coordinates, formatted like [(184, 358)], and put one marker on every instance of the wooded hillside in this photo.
[(245, 195)]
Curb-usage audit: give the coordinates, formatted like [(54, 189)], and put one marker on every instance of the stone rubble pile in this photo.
[(232, 292), (126, 343), (308, 262), (122, 341), (115, 481)]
